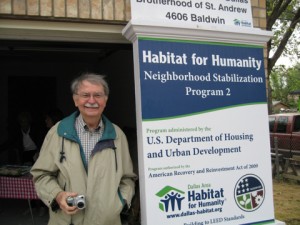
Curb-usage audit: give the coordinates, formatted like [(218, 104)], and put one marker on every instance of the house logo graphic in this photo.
[(170, 199), (237, 22), (249, 193), (242, 23)]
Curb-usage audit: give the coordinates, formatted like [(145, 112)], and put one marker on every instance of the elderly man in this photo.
[(85, 157)]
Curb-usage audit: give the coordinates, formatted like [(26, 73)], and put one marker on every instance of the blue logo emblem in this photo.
[(249, 193), (170, 199)]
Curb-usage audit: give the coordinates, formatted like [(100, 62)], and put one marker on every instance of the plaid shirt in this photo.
[(88, 138)]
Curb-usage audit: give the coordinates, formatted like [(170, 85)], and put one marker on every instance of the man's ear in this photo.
[(75, 99)]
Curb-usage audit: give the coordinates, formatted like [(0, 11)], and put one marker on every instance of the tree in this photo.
[(283, 18), (285, 81)]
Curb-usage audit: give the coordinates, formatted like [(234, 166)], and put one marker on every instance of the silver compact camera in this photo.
[(78, 201)]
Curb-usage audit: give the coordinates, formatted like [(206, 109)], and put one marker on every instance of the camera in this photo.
[(78, 201)]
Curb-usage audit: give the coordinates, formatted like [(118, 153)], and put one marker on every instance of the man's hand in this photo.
[(61, 200)]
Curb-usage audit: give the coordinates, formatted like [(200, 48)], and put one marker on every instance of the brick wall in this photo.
[(259, 15), (91, 10), (104, 10)]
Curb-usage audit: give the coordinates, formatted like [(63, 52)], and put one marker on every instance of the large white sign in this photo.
[(194, 13), (204, 153), (205, 157)]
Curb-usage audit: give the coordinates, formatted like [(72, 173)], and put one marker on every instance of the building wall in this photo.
[(91, 10)]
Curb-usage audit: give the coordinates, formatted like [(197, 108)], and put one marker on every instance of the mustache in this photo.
[(89, 105)]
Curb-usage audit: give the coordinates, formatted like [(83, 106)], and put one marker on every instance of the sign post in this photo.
[(202, 126)]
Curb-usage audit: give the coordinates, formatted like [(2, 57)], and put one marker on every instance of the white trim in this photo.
[(277, 222), (236, 35), (60, 31)]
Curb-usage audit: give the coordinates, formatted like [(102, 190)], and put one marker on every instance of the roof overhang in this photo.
[(61, 31)]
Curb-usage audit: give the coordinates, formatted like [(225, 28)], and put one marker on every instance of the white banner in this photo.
[(193, 13)]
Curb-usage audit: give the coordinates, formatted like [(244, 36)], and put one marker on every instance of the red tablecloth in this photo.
[(17, 187)]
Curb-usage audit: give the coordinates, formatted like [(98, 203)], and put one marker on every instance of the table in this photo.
[(18, 188)]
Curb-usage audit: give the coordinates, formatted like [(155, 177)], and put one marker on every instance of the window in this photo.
[(271, 123), (296, 127), (282, 124)]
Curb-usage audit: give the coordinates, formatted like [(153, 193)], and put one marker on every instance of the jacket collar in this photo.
[(66, 128)]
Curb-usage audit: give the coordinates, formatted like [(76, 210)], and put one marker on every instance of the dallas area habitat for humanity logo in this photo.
[(205, 200), (249, 193)]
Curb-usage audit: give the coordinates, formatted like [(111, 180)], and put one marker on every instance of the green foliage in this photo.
[(284, 81), (283, 18)]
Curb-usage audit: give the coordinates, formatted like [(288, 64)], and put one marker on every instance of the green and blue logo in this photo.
[(170, 199)]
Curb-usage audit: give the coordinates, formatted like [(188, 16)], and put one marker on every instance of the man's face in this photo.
[(90, 100)]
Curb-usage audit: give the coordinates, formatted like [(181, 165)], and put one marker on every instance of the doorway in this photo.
[(41, 69), (31, 93)]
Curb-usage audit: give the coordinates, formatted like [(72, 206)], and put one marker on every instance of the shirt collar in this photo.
[(84, 125)]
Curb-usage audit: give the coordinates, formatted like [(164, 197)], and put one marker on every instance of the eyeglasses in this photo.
[(96, 96)]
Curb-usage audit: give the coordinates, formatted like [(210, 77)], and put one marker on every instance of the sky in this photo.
[(286, 61)]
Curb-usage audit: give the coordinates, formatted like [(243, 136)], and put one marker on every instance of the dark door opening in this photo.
[(30, 93)]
